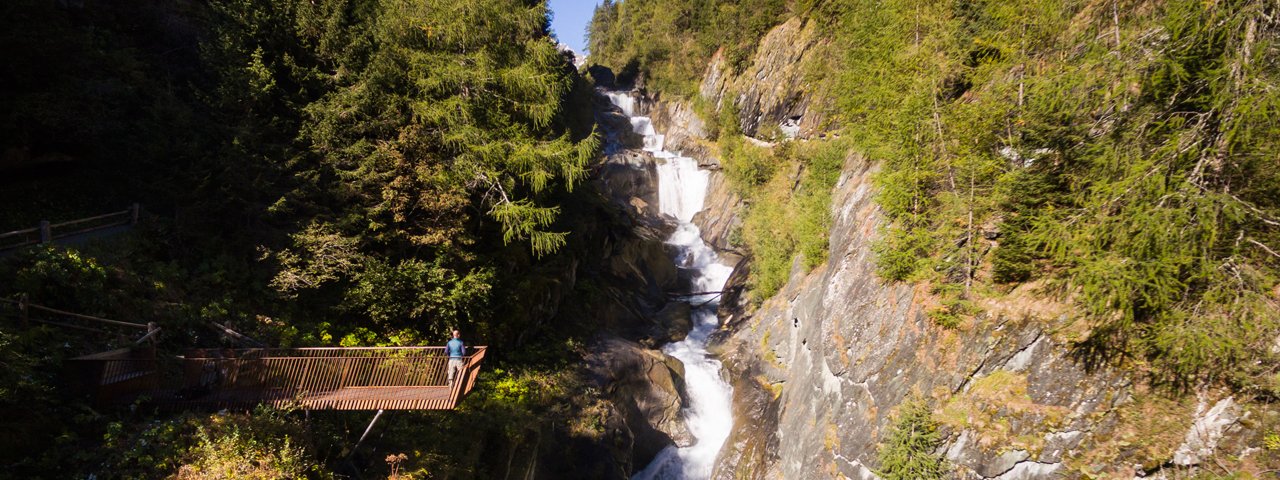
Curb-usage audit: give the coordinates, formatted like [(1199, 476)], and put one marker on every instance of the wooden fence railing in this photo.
[(48, 232), (347, 378), (373, 378), (108, 376)]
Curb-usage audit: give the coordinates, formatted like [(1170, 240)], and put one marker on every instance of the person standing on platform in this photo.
[(456, 351)]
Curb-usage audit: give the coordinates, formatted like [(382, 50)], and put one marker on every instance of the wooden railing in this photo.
[(354, 378), (392, 378), (48, 232), (116, 374)]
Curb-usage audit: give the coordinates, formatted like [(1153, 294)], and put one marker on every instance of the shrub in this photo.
[(907, 451), (789, 205), (261, 445)]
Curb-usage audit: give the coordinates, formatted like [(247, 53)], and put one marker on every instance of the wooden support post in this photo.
[(238, 336), (22, 310), (133, 214), (46, 233), (152, 330), (356, 448)]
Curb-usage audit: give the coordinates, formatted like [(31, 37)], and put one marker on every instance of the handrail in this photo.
[(316, 352), (237, 335), (85, 317), (332, 349), (46, 229), (126, 211), (25, 306), (20, 232)]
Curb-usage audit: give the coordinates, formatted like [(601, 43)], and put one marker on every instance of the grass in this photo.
[(1149, 428), (788, 190), (993, 404)]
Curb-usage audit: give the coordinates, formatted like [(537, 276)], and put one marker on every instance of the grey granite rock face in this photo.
[(847, 348), (720, 218), (770, 93), (1206, 431), (819, 369)]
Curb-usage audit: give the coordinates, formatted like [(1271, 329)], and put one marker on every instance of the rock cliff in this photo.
[(776, 90), (820, 368)]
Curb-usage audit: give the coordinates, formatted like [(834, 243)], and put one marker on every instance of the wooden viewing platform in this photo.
[(350, 378), (368, 378)]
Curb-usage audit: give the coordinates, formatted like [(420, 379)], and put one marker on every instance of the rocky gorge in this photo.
[(819, 369)]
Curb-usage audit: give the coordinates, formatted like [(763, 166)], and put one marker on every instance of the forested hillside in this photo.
[(1077, 203), (978, 236), (338, 172), (1115, 154), (669, 43)]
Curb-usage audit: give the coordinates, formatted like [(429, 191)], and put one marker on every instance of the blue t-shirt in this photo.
[(454, 347)]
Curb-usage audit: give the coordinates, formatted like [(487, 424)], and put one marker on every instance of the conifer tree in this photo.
[(907, 451)]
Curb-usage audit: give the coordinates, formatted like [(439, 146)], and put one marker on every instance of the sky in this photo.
[(570, 21)]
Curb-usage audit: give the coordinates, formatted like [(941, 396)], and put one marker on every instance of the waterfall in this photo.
[(682, 190)]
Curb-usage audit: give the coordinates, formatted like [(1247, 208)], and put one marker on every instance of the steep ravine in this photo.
[(674, 403), (819, 368)]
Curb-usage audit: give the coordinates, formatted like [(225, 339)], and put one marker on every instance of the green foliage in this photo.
[(62, 277), (1126, 169), (512, 414), (945, 318), (263, 445), (706, 111), (232, 456), (906, 451), (746, 165), (416, 293), (324, 172), (669, 42), (900, 252), (788, 192), (955, 307)]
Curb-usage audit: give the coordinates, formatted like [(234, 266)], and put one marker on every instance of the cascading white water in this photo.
[(682, 189)]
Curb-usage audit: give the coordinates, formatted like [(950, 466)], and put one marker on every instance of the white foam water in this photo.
[(682, 190)]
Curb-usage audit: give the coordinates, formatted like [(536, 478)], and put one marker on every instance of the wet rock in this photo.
[(685, 132), (752, 446), (678, 320), (647, 387), (628, 175), (617, 128), (734, 302), (602, 75), (720, 217)]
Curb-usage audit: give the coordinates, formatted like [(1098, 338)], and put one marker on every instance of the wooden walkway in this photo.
[(356, 378), (348, 398), (374, 378)]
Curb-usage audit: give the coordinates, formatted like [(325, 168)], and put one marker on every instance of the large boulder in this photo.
[(647, 387)]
